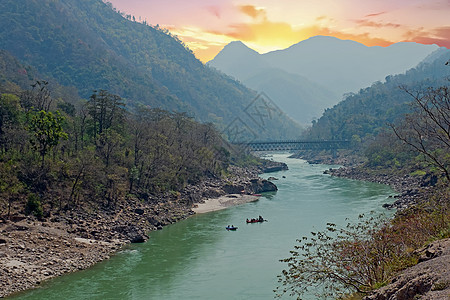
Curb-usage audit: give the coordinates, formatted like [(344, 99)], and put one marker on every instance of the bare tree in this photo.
[(427, 128)]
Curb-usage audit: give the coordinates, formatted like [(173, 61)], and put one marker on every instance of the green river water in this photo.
[(198, 259)]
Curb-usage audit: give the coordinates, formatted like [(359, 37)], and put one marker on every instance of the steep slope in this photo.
[(239, 61), (88, 45), (364, 114), (16, 77)]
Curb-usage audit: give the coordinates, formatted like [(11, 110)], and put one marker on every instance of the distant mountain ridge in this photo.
[(88, 45), (334, 66)]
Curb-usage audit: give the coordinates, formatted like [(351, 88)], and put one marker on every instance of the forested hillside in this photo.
[(88, 45), (364, 114), (90, 154)]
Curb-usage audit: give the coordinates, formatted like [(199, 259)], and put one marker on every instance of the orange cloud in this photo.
[(263, 34), (439, 36), (280, 34), (252, 11)]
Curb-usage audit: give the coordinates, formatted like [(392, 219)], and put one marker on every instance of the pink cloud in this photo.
[(375, 14), (214, 10), (367, 23)]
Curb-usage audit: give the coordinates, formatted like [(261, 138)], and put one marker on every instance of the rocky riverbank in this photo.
[(429, 279), (411, 189), (32, 251)]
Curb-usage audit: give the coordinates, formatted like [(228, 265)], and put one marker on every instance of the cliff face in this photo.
[(429, 279)]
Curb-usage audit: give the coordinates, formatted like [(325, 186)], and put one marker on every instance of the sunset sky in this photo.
[(206, 26)]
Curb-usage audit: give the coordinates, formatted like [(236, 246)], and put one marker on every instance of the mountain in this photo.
[(346, 66), (364, 114), (90, 46), (239, 61), (300, 98), (334, 66)]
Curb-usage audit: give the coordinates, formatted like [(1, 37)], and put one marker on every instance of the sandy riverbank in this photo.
[(214, 204)]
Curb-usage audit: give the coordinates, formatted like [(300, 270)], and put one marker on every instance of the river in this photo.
[(198, 259)]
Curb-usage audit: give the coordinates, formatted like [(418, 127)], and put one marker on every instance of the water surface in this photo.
[(198, 259)]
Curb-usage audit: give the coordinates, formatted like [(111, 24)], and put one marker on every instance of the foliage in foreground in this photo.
[(363, 256), (93, 155)]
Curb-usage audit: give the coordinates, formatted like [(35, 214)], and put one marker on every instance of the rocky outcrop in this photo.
[(259, 185), (429, 279), (252, 186), (270, 166)]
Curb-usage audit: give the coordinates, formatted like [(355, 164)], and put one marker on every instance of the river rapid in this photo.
[(198, 259)]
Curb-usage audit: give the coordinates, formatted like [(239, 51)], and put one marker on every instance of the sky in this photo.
[(206, 26)]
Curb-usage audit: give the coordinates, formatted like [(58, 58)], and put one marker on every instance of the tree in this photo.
[(9, 115), (10, 186), (46, 131), (356, 258), (107, 110), (427, 129), (38, 98)]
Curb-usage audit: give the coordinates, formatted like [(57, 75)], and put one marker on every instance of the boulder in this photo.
[(139, 211), (429, 279), (259, 185)]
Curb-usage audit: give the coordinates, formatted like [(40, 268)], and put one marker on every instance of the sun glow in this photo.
[(207, 26)]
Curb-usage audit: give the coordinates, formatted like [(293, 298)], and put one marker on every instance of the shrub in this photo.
[(34, 207), (361, 257)]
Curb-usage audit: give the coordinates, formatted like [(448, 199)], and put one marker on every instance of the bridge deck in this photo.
[(289, 145)]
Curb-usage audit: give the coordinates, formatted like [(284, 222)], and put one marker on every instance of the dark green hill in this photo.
[(88, 45), (365, 113)]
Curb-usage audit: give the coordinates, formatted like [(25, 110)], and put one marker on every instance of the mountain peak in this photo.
[(238, 60), (237, 48), (327, 41)]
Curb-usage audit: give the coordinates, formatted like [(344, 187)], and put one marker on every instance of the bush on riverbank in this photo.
[(362, 257)]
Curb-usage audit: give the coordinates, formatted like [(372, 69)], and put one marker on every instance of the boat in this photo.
[(231, 227), (258, 220)]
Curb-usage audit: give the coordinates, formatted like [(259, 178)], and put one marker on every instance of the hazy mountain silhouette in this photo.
[(335, 66), (296, 95)]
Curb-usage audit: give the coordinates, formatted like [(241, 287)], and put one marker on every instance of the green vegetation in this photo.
[(45, 131), (95, 155), (135, 133), (89, 45), (365, 255)]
